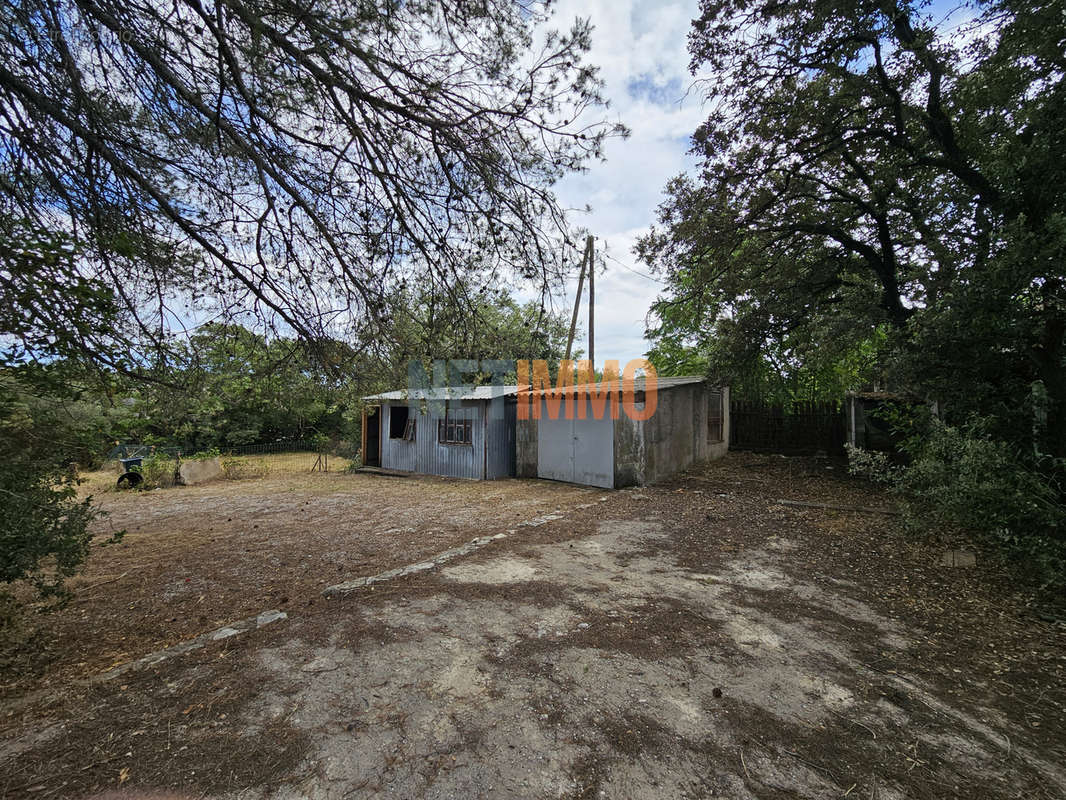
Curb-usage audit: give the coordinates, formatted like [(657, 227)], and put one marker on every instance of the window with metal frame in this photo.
[(409, 430), (715, 418), (455, 431)]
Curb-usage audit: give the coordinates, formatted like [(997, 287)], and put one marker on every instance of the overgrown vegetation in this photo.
[(881, 199), (960, 478), (158, 471), (44, 536)]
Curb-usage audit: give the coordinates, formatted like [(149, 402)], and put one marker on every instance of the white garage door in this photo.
[(576, 450)]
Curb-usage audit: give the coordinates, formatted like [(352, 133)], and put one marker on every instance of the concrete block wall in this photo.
[(674, 437), (629, 453), (647, 451)]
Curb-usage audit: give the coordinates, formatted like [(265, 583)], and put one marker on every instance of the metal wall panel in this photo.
[(555, 446), (594, 451), (500, 443), (425, 454), (576, 450)]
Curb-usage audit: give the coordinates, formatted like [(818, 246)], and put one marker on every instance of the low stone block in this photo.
[(200, 470), (958, 558)]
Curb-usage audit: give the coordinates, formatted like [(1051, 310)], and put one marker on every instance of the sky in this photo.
[(641, 49)]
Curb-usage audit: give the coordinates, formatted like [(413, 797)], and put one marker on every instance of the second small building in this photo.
[(480, 433)]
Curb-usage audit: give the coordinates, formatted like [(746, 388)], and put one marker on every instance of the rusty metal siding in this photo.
[(425, 454)]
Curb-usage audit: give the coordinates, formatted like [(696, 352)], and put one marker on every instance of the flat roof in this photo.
[(491, 392)]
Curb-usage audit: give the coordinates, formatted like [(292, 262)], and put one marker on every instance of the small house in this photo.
[(458, 432), (579, 435)]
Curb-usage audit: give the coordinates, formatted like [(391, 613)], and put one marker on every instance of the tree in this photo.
[(818, 364), (47, 306), (295, 159), (228, 385), (490, 325), (44, 525), (237, 387), (46, 424), (866, 170)]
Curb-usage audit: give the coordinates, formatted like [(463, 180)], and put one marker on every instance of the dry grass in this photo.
[(243, 467), (196, 557), (233, 468)]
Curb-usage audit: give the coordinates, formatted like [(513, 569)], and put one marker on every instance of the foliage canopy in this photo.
[(867, 173), (297, 160)]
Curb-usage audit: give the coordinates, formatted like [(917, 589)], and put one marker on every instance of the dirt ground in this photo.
[(695, 639), (195, 558)]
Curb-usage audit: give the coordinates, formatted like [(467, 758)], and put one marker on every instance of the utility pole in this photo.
[(592, 304), (586, 258)]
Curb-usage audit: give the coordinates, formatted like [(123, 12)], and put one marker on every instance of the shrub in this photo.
[(872, 465), (962, 479), (44, 525), (158, 472), (44, 535)]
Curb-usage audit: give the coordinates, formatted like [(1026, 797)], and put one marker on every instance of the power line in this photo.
[(635, 272)]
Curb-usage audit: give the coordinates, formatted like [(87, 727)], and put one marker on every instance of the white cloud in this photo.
[(641, 49)]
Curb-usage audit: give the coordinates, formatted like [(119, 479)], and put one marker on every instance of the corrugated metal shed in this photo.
[(500, 442), (590, 451), (425, 453)]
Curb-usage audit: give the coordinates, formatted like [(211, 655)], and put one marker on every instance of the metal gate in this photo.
[(576, 450)]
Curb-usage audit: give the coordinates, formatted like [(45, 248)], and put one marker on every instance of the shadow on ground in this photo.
[(692, 640)]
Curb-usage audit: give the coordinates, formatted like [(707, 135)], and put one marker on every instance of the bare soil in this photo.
[(194, 558), (694, 639)]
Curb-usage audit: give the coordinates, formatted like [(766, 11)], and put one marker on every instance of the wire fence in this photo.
[(267, 458), (140, 451), (272, 448), (252, 460), (796, 429)]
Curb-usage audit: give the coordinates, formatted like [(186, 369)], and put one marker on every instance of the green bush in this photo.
[(44, 536), (44, 525), (872, 465), (158, 472), (962, 479)]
